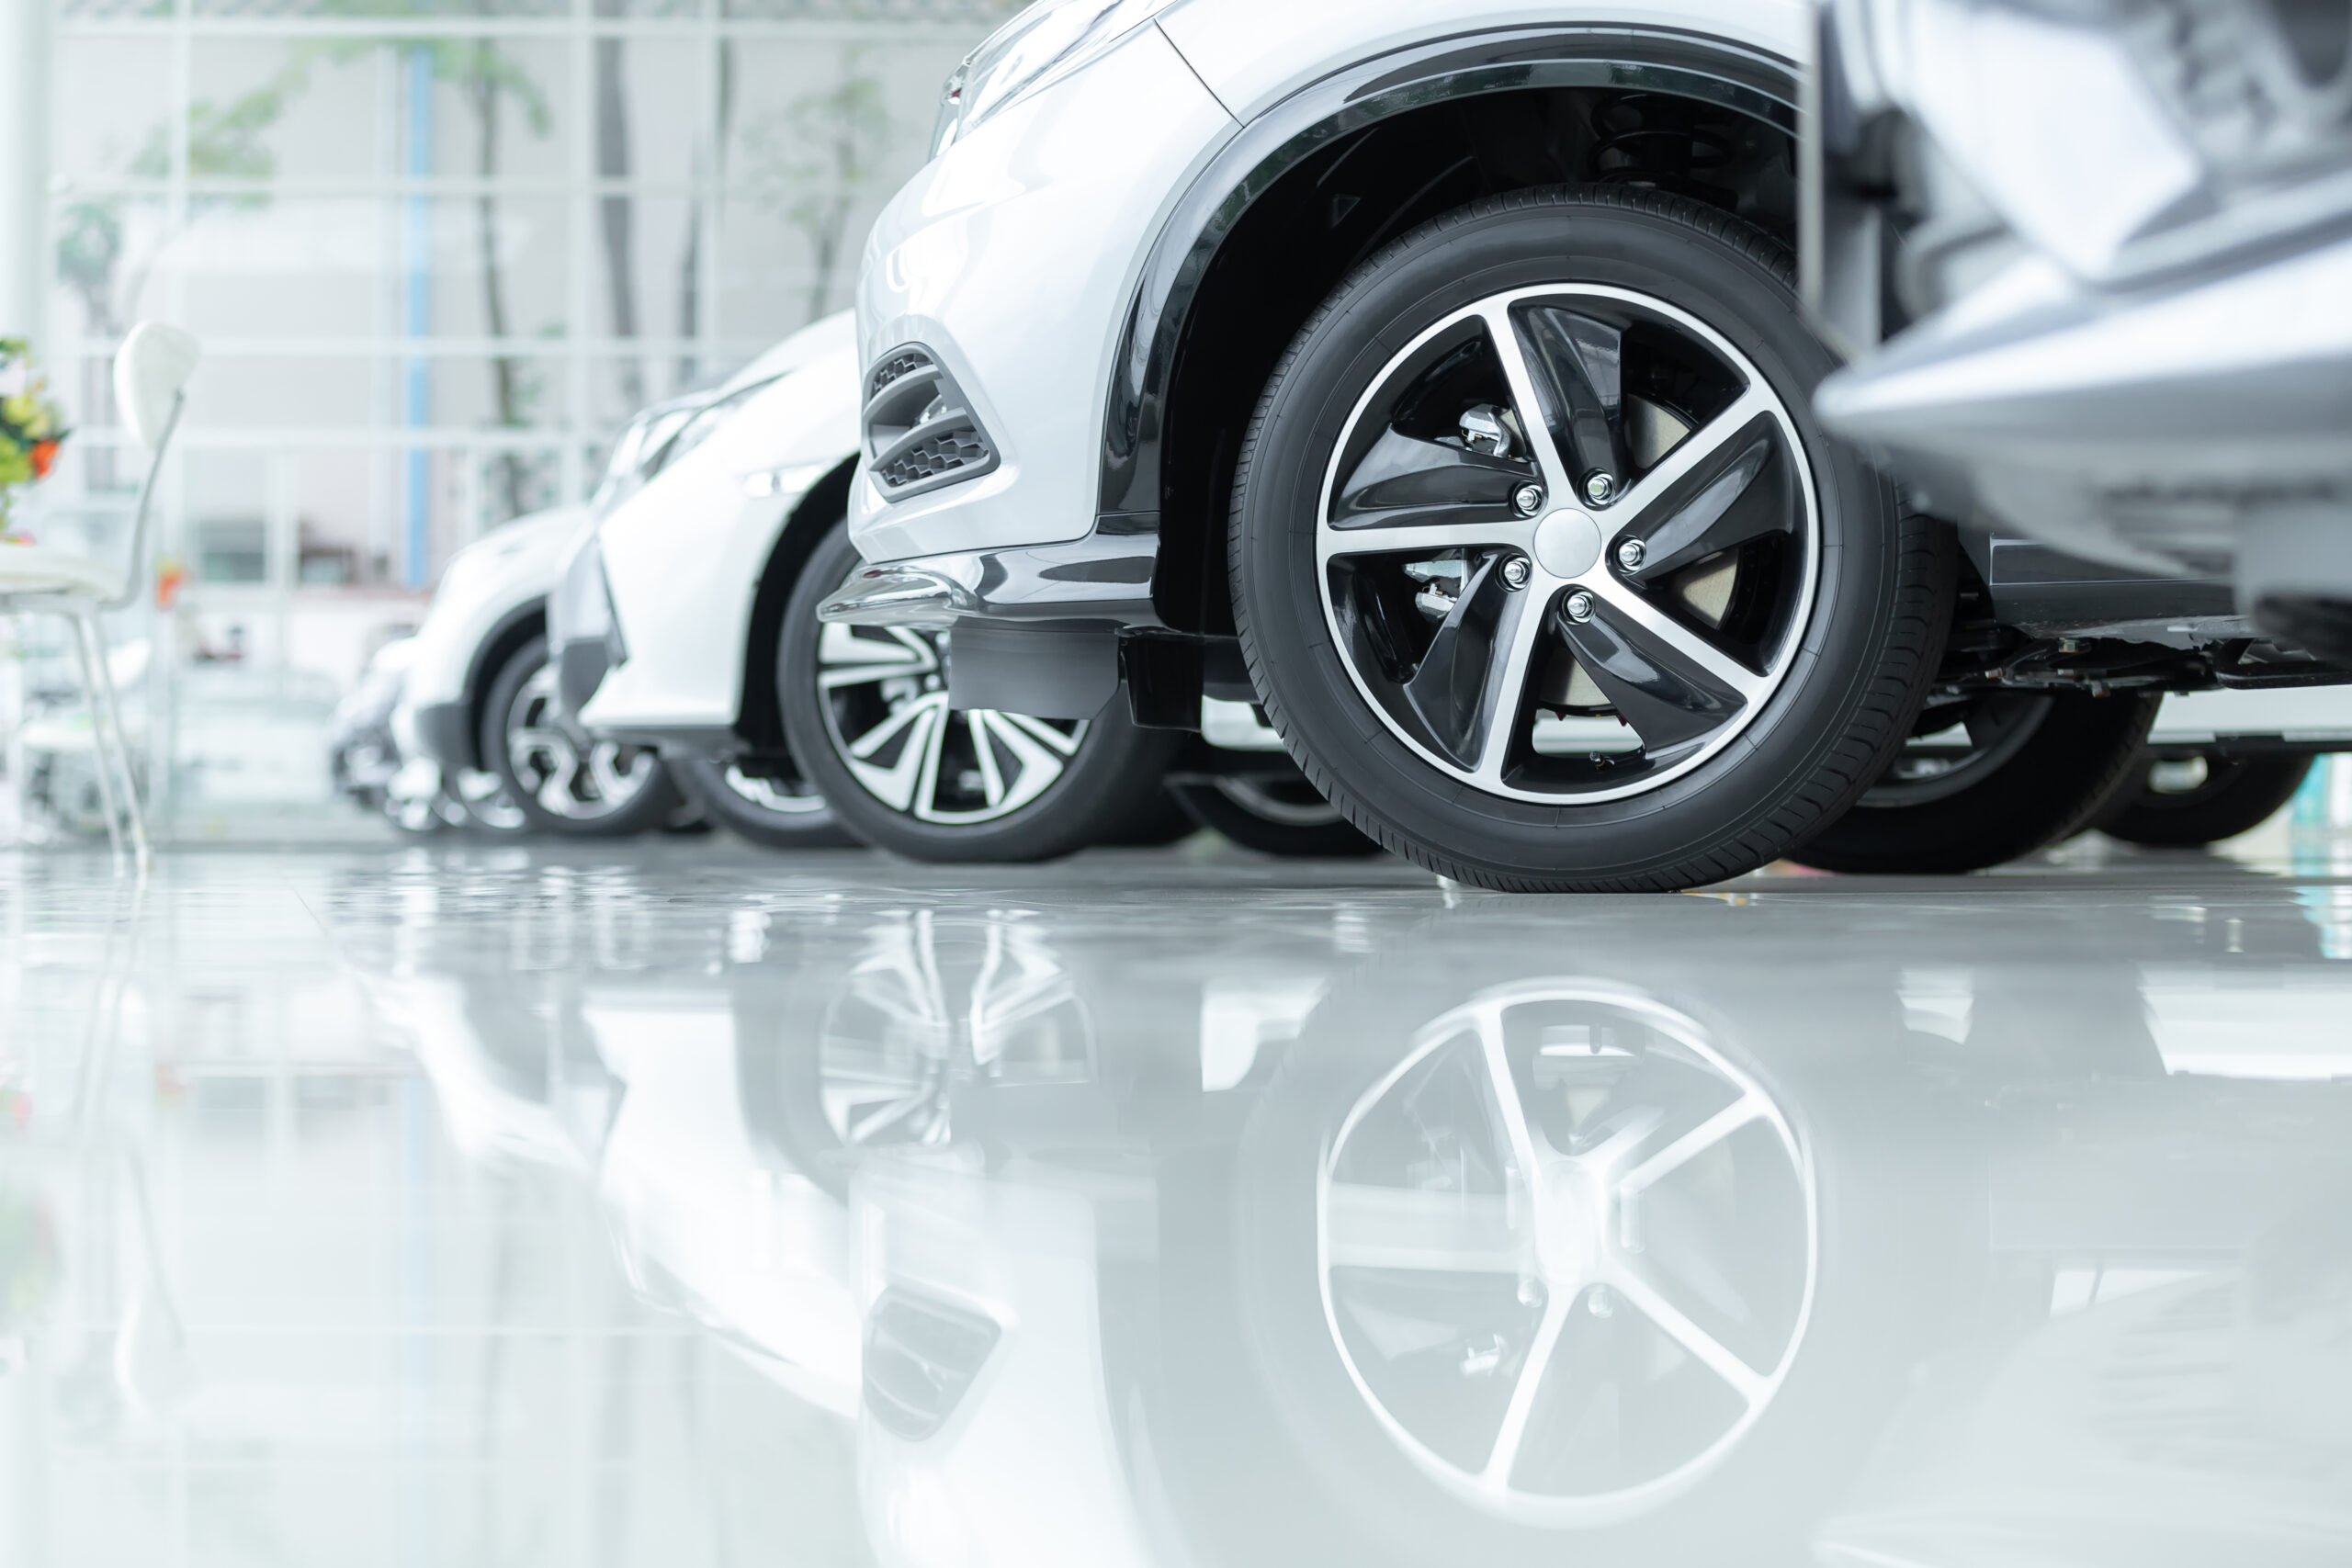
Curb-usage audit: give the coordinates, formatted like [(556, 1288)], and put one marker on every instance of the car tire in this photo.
[(1274, 815), (924, 788), (776, 811), (2026, 793), (2237, 795), (1847, 597), (610, 791)]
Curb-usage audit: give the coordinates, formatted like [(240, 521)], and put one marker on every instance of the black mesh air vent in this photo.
[(919, 431), (920, 1357)]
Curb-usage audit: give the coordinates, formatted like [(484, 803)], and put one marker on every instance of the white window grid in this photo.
[(574, 438)]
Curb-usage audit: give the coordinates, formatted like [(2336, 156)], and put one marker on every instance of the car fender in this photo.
[(684, 556)]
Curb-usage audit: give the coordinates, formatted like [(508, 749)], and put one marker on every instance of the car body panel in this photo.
[(484, 586), (1013, 256), (1252, 55), (683, 557)]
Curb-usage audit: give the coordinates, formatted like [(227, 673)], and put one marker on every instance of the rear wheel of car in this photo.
[(1989, 777), (866, 709), (561, 781), (2186, 802), (1273, 813), (767, 800), (1543, 570)]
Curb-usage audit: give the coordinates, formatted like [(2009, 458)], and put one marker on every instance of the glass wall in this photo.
[(437, 251)]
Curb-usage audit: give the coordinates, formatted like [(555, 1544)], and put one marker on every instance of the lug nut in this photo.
[(1527, 500), (1629, 554), (1600, 489), (1579, 606), (1600, 1302), (1516, 572)]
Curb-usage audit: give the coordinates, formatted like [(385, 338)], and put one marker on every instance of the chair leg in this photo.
[(132, 809), (105, 763)]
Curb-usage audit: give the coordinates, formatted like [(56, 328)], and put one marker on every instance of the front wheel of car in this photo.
[(559, 780), (1542, 569), (868, 711)]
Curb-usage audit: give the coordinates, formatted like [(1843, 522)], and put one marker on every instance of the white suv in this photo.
[(1429, 374)]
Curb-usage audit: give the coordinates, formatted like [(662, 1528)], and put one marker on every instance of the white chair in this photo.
[(151, 372)]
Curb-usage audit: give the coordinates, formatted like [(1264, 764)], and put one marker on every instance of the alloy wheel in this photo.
[(1566, 544), (566, 778), (887, 716)]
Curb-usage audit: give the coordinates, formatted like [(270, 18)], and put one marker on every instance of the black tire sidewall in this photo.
[(1228, 818), (2255, 790), (2085, 750), (651, 805), (705, 779), (1799, 760), (1107, 784)]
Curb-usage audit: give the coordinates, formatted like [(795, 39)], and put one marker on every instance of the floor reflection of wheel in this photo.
[(868, 712), (1274, 814), (1541, 564), (561, 782), (2190, 801), (1988, 777), (1546, 1280), (765, 799)]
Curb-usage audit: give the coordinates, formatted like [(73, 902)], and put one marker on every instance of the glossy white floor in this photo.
[(682, 1204)]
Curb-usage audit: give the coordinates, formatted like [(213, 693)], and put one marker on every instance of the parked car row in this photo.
[(1441, 367), (654, 658), (1423, 449)]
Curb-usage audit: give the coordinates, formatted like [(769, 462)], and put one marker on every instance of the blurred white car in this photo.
[(474, 718), (686, 621)]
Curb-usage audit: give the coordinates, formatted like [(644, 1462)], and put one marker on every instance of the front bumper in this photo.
[(1052, 631)]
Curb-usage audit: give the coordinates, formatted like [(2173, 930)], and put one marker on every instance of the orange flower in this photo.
[(44, 454)]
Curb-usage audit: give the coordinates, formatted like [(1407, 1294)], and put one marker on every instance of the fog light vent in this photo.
[(919, 431), (921, 1355)]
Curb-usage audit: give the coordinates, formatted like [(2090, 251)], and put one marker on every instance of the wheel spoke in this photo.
[(1576, 361), (1404, 480), (1669, 683), (1695, 462), (1504, 1456), (845, 658), (1702, 1346), (984, 750), (1036, 764), (1468, 687), (1037, 728), (1740, 489), (1424, 538), (896, 785), (1503, 333)]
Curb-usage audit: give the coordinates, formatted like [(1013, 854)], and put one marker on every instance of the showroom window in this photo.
[(437, 252)]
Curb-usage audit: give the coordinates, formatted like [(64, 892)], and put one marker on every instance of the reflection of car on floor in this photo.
[(1385, 1250), (1431, 376), (687, 621)]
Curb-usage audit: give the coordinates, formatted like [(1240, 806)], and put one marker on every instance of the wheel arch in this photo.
[(759, 718), (1291, 206), (511, 630)]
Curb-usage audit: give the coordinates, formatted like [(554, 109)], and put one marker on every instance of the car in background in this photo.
[(2092, 263), (474, 719), (1431, 376), (687, 621)]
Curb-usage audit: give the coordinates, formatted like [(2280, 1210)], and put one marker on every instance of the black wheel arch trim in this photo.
[(514, 628), (1749, 81)]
